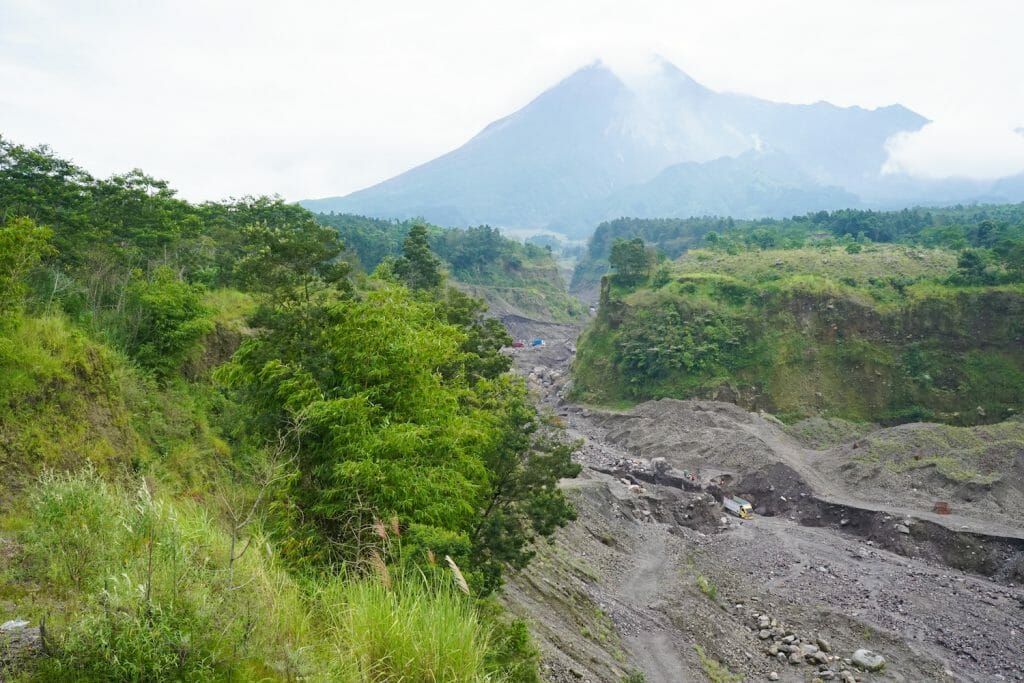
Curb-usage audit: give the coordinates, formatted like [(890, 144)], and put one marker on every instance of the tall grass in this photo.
[(411, 632), (154, 589)]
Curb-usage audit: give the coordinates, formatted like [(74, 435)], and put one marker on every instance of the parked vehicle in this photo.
[(739, 507)]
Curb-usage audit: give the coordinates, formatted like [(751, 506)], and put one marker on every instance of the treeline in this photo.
[(364, 440), (994, 233), (478, 255)]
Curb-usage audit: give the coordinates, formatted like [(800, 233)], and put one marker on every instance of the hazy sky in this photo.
[(309, 99)]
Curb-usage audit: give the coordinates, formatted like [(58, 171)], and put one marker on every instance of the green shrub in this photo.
[(23, 244), (709, 589), (73, 532), (511, 654), (164, 322), (715, 670)]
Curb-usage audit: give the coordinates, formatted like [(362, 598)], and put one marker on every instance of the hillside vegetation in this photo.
[(224, 456), (997, 228), (511, 276), (867, 332)]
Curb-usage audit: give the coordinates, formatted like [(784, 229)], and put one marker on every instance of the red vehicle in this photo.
[(518, 344)]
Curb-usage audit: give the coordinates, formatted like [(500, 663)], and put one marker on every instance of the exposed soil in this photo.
[(843, 554)]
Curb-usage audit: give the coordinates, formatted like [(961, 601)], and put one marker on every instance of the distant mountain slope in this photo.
[(593, 148), (752, 185)]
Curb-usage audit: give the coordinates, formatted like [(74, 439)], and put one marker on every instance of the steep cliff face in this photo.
[(851, 345)]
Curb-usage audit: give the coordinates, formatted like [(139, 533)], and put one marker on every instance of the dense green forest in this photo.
[(479, 258), (225, 455), (995, 232)]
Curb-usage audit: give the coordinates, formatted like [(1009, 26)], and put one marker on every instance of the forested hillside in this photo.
[(506, 273), (225, 457), (803, 318), (998, 229)]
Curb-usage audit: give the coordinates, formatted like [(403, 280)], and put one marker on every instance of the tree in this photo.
[(629, 259), (285, 258), (972, 268), (399, 421), (522, 499), (164, 321), (23, 244), (485, 336), (418, 267)]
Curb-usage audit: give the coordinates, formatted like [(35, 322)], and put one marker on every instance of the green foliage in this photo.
[(709, 589), (161, 593), (997, 230), (875, 336), (668, 339), (165, 322), (61, 402), (526, 276), (395, 418), (345, 407), (154, 601), (285, 257), (715, 670), (73, 529), (369, 241), (973, 269), (418, 267), (485, 336), (131, 215), (407, 632), (511, 654), (23, 245), (629, 260)]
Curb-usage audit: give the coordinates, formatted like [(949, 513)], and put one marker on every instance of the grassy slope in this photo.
[(867, 336), (95, 427)]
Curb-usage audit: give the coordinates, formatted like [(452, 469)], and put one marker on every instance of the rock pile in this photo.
[(791, 649)]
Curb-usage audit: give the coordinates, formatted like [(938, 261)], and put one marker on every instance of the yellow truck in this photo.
[(737, 506)]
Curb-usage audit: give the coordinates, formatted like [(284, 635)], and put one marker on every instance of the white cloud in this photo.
[(953, 148), (323, 97)]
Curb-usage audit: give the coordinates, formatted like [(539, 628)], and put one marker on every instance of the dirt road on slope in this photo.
[(653, 579)]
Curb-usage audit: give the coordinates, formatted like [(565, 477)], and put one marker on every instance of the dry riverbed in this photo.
[(653, 579)]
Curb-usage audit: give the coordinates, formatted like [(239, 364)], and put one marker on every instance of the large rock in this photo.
[(868, 660), (18, 643)]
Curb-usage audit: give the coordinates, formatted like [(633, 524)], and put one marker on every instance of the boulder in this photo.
[(868, 660), (18, 643)]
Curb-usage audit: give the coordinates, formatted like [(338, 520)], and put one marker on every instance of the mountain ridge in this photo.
[(566, 159)]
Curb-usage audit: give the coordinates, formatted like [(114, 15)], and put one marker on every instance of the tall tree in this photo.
[(418, 267), (629, 259)]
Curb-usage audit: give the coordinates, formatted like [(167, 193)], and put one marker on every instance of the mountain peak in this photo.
[(592, 146)]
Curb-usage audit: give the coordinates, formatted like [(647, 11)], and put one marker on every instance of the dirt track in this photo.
[(823, 564)]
